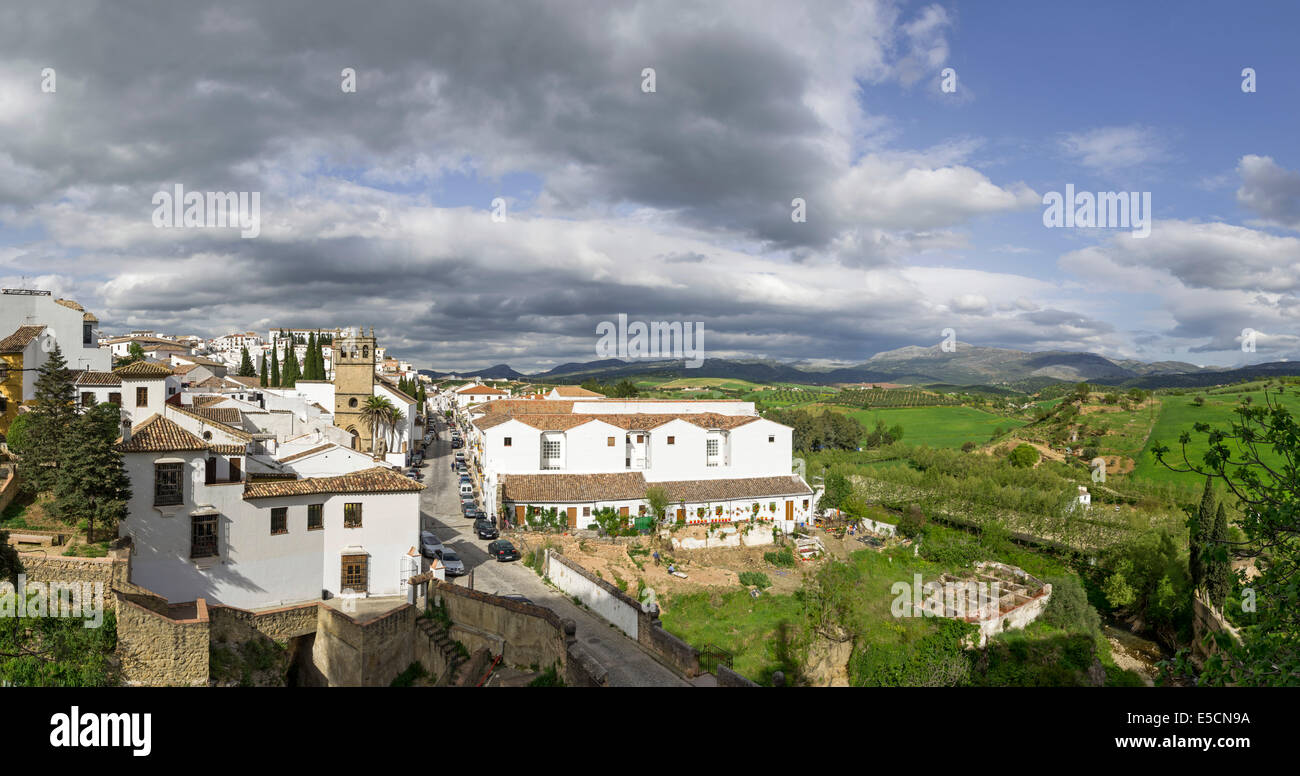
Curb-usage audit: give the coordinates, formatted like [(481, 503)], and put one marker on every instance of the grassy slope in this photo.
[(939, 426), (1179, 414)]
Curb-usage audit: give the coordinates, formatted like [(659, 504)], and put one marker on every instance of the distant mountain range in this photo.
[(964, 365)]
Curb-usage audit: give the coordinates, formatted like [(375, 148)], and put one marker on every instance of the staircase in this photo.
[(443, 646)]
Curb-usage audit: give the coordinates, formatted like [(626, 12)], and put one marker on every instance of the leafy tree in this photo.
[(53, 410), (1198, 401), (838, 490), (1024, 455), (1243, 457), (19, 436), (912, 523), (134, 353), (92, 484), (1069, 609), (624, 389), (1081, 392), (657, 499), (246, 364), (58, 652)]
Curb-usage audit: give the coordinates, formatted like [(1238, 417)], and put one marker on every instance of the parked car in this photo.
[(457, 443), (485, 528), (468, 506), (451, 562), (466, 489), (430, 545), (503, 551)]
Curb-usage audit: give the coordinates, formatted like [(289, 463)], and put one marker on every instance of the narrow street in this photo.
[(627, 663)]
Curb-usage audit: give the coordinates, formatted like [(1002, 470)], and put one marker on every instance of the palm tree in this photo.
[(376, 412), (393, 418)]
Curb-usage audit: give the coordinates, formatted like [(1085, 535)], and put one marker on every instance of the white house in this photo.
[(714, 466), (211, 518), (477, 393)]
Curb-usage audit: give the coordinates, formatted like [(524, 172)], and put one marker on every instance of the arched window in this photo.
[(365, 351)]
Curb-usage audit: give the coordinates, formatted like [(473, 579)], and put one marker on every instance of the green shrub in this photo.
[(755, 579), (783, 557), (410, 676), (1069, 609), (1024, 456)]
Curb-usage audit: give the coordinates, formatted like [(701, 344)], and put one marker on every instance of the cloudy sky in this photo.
[(924, 201)]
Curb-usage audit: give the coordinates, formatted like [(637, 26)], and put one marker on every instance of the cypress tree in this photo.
[(289, 376), (1218, 574), (261, 372), (309, 358), (1199, 527), (53, 410), (246, 364), (275, 367)]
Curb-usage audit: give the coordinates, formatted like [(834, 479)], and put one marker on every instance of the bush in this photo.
[(1024, 456), (1069, 609), (755, 579), (912, 523), (784, 557)]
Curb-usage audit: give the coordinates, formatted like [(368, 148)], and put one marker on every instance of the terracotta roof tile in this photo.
[(577, 392), (622, 486), (143, 370), (159, 435), (98, 378), (20, 339), (379, 479)]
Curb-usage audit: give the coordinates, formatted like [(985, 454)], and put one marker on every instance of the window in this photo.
[(771, 438), (234, 470), (640, 438), (672, 440), (115, 398), (210, 471), (641, 511), (141, 397), (168, 487), (586, 511), (87, 332), (718, 512), (354, 572), (4, 403), (280, 520), (315, 517), (352, 515), (550, 453), (805, 503), (87, 399), (711, 452), (203, 536), (506, 441), (609, 441)]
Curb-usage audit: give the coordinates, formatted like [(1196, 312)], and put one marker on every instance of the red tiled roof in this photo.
[(20, 339), (159, 435), (623, 486), (143, 370), (475, 390), (98, 378), (379, 479), (576, 392)]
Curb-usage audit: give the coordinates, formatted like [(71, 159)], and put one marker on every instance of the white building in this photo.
[(65, 323), (716, 460), (477, 393), (211, 517)]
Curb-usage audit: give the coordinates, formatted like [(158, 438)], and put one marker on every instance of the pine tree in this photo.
[(275, 367), (53, 410), (1199, 527), (1218, 572), (246, 364), (92, 485), (261, 372)]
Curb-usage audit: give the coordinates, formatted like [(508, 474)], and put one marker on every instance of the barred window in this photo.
[(203, 536), (352, 515), (280, 520), (551, 448), (354, 573), (168, 484), (711, 452), (315, 517)]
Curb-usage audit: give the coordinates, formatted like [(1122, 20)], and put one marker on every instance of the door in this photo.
[(681, 515), (519, 515), (354, 574), (234, 470), (622, 511), (573, 517), (789, 510), (210, 471)]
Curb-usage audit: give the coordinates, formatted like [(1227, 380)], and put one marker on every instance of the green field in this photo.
[(939, 426), (709, 382), (1179, 414)]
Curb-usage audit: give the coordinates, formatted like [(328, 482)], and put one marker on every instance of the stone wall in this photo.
[(523, 634), (232, 624), (729, 678), (676, 653), (162, 645), (9, 486), (363, 653), (726, 536), (1206, 620), (111, 572)]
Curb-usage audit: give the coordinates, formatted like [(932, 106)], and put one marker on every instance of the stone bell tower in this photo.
[(354, 383)]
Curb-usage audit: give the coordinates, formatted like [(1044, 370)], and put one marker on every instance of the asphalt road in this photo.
[(627, 663)]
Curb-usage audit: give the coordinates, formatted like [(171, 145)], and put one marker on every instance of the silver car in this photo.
[(430, 545), (451, 562)]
